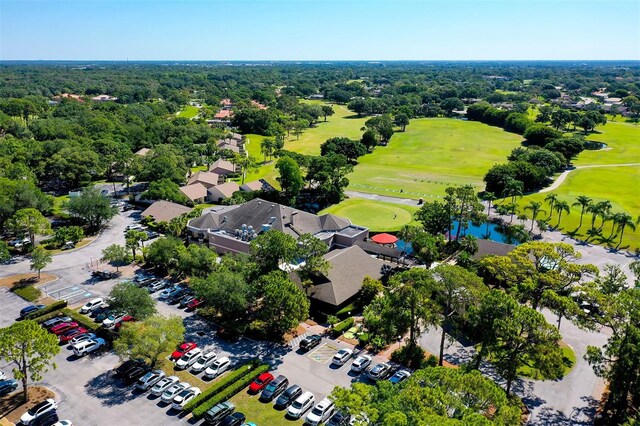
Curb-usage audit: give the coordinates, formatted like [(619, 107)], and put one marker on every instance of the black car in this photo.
[(215, 414), (274, 388), (47, 419), (338, 419), (287, 397), (128, 365), (235, 419), (185, 300), (135, 373), (97, 311), (8, 386), (177, 297), (310, 342)]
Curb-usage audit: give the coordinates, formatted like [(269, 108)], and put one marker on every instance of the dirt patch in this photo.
[(12, 405), (26, 279)]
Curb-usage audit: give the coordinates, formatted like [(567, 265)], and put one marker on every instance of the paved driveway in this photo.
[(10, 306)]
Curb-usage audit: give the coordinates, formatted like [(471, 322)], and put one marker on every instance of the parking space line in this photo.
[(323, 353)]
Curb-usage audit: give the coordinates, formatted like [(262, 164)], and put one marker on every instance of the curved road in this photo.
[(564, 175)]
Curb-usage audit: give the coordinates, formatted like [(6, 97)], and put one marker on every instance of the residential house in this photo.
[(217, 193), (230, 229), (142, 152), (104, 98), (341, 284), (208, 179), (196, 192), (164, 211), (258, 104), (256, 185), (226, 103), (491, 248), (222, 167)]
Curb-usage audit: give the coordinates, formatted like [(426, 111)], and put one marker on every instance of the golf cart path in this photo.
[(564, 174)]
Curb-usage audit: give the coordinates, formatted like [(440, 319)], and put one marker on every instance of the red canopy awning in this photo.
[(384, 239)]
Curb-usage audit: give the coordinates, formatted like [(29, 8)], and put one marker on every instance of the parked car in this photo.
[(38, 410), (216, 413), (157, 285), (301, 405), (144, 281), (184, 397), (399, 376), (68, 335), (149, 379), (182, 349), (82, 338), (97, 311), (113, 319), (103, 315), (92, 304), (170, 292), (320, 413), (128, 365), (47, 419), (164, 384), (338, 419), (135, 373), (86, 347), (185, 299), (233, 419), (50, 323), (64, 423), (342, 356), (8, 386), (380, 371), (126, 318), (188, 359), (218, 367), (134, 227), (62, 327), (152, 234), (359, 420), (260, 382), (105, 275), (173, 391), (288, 396), (205, 360), (176, 297), (274, 388), (361, 363), (195, 303), (29, 310), (310, 342)]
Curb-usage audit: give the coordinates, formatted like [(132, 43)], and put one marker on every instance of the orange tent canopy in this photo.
[(384, 239)]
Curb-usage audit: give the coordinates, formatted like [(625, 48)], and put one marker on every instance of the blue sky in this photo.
[(319, 30)]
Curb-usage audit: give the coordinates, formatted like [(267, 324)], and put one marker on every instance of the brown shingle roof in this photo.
[(225, 190), (195, 191), (208, 179), (489, 247), (222, 167), (164, 211), (142, 151)]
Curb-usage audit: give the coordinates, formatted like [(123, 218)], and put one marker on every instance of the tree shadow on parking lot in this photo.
[(109, 390)]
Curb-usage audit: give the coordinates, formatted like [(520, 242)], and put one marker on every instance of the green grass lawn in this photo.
[(375, 215), (260, 413), (568, 358), (188, 111), (623, 145), (431, 155)]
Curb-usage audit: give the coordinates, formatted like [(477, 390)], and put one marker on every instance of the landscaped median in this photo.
[(225, 388), (59, 308)]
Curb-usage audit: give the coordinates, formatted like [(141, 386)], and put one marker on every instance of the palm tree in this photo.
[(491, 197), (551, 199), (591, 233), (623, 221), (513, 188), (536, 209), (584, 202), (561, 206), (604, 209), (594, 209), (615, 218)]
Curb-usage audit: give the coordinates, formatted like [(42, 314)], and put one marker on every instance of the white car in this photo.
[(342, 356), (91, 305), (173, 391), (361, 363), (169, 292), (205, 360), (183, 397), (64, 423), (301, 405), (134, 227), (38, 410), (82, 338), (156, 285), (400, 376), (380, 371), (186, 360), (112, 320), (164, 384), (88, 346), (320, 413), (218, 367), (149, 379)]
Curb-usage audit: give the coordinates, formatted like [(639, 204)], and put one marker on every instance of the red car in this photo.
[(260, 382), (183, 349), (68, 335), (126, 318), (195, 303), (65, 326)]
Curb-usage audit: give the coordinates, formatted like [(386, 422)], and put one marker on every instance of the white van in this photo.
[(88, 346), (300, 405), (91, 305)]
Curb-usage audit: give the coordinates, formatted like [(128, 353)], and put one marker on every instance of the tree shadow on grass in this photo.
[(108, 390)]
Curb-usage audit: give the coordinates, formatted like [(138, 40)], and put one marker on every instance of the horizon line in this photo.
[(321, 60)]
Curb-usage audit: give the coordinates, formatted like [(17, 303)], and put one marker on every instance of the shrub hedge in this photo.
[(229, 391), (221, 384), (55, 306), (28, 293), (344, 312), (343, 326)]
